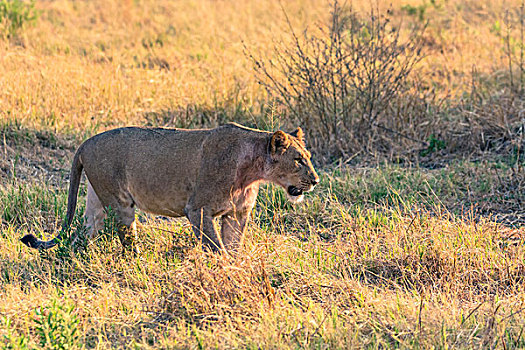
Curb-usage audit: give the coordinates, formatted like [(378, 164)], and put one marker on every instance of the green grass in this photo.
[(31, 205), (15, 15)]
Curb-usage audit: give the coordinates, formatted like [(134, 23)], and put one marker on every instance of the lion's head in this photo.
[(291, 165)]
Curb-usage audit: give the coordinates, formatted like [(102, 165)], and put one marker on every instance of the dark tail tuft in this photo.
[(30, 240), (76, 170)]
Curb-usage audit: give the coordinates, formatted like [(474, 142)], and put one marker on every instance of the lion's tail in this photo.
[(74, 182)]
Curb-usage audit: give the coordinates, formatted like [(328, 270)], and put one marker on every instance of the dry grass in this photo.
[(377, 257), (94, 65), (323, 275)]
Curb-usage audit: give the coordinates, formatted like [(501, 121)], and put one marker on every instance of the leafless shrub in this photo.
[(490, 116), (339, 81)]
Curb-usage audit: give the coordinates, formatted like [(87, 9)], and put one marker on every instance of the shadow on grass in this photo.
[(438, 274)]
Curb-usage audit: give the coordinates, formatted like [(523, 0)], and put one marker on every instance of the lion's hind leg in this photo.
[(117, 206), (95, 213), (126, 227), (93, 216)]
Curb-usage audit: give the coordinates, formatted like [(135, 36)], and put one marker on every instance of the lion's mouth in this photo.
[(294, 191)]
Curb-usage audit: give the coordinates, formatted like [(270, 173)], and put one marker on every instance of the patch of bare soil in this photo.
[(29, 156)]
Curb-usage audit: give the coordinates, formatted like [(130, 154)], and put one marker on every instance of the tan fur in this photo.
[(202, 174)]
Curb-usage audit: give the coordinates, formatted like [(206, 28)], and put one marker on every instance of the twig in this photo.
[(471, 312), (424, 143)]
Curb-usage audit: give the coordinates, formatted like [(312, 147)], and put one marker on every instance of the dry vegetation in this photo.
[(424, 253)]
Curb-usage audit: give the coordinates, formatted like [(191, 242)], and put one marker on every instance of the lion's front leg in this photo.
[(232, 231), (203, 227)]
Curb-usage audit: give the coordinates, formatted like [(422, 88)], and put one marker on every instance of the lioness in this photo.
[(201, 174)]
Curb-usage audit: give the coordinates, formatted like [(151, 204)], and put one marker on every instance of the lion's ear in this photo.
[(279, 142), (298, 134)]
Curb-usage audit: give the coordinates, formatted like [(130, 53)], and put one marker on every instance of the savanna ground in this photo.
[(413, 239)]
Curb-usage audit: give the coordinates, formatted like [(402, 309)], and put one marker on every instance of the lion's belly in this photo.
[(169, 203), (166, 194)]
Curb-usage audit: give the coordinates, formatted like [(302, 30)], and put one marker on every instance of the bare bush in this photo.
[(339, 81)]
